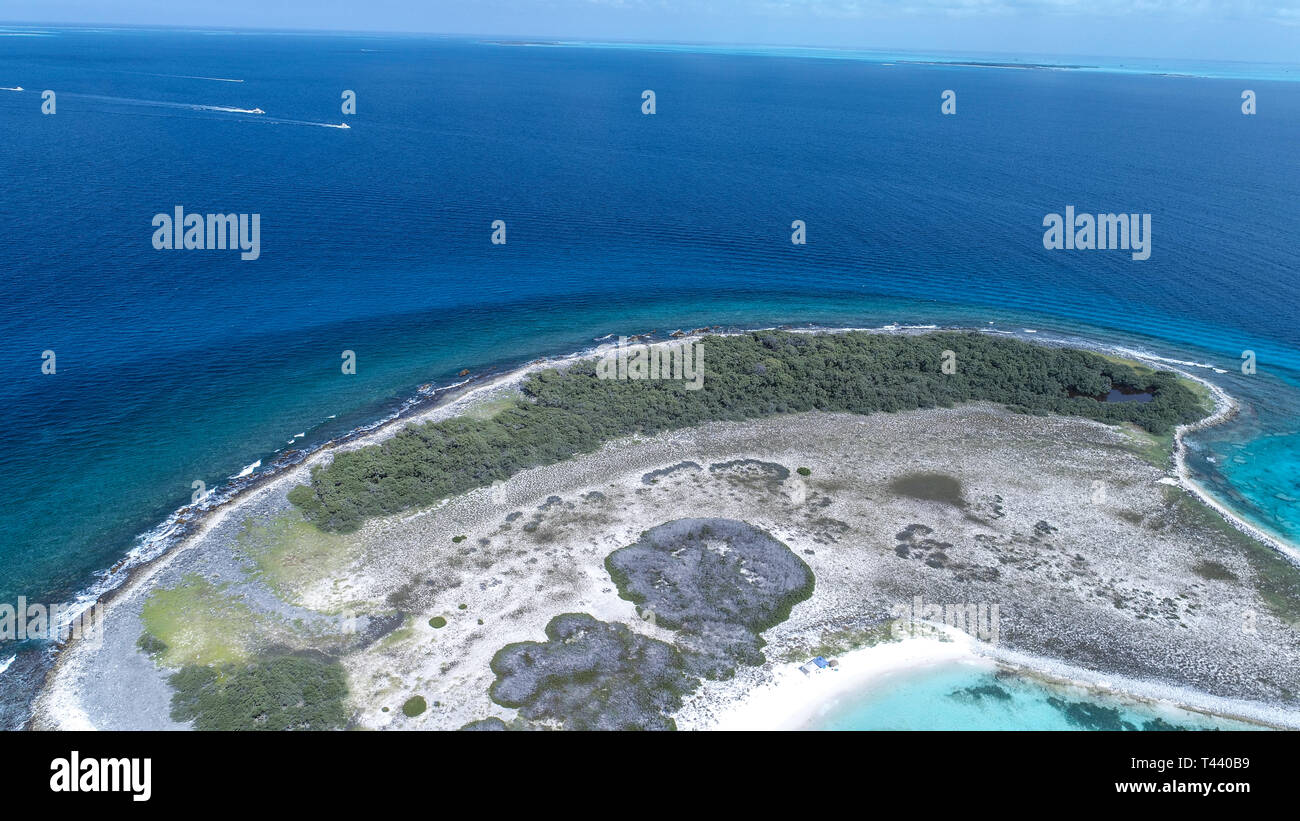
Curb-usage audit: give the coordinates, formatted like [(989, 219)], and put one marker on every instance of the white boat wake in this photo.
[(229, 110), (278, 121), (193, 77), (217, 109), (224, 109)]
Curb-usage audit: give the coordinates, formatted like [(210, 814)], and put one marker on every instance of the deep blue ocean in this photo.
[(177, 366)]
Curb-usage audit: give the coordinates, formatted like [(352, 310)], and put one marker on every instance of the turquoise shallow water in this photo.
[(1051, 62), (963, 696)]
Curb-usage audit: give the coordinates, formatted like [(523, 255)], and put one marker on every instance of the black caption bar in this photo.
[(140, 772)]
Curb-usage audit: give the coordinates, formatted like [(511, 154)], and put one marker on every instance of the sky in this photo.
[(1248, 30)]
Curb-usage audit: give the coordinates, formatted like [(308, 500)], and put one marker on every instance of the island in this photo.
[(553, 550)]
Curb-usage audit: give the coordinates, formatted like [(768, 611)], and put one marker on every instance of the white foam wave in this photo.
[(4, 665), (248, 470), (894, 326), (1171, 361)]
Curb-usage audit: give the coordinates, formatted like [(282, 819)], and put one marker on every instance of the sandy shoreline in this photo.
[(57, 704), (793, 700), (789, 699), (1226, 408)]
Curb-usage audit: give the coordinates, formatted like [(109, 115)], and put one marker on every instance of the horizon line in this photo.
[(561, 41)]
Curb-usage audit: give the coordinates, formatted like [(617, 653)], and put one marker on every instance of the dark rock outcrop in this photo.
[(592, 675), (718, 582)]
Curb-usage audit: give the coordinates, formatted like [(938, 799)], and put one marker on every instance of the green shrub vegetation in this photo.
[(840, 641), (151, 644), (437, 621), (279, 693), (803, 471), (414, 706), (198, 622), (562, 414), (1207, 569), (291, 555)]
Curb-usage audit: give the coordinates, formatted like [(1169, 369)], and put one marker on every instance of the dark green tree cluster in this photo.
[(759, 374), (280, 693)]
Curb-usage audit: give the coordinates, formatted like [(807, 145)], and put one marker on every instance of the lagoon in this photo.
[(965, 695)]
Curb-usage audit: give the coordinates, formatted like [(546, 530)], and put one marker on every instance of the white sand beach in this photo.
[(794, 700)]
